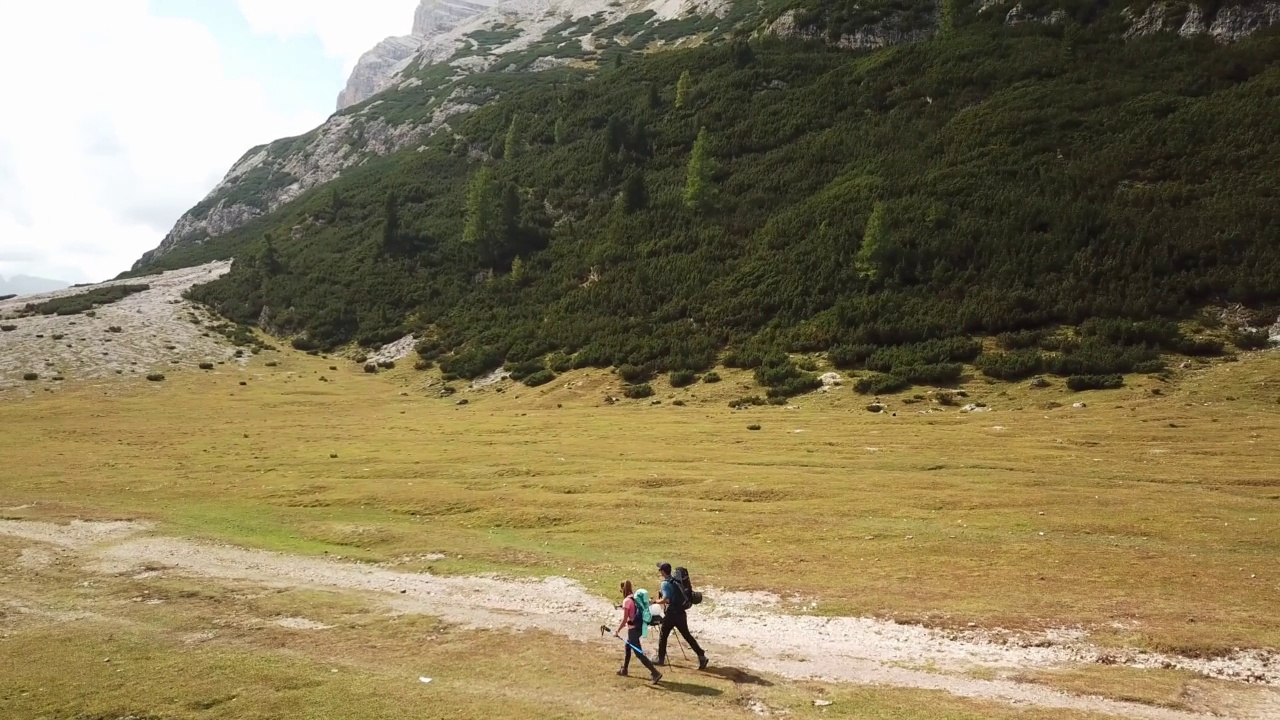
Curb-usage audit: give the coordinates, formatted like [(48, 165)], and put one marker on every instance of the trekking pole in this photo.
[(681, 646)]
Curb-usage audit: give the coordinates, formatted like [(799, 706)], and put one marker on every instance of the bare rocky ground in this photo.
[(741, 628), (157, 333)]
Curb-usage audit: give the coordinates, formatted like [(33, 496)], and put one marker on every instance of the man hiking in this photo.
[(673, 598)]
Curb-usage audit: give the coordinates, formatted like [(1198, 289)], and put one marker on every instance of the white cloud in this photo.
[(115, 122), (344, 30)]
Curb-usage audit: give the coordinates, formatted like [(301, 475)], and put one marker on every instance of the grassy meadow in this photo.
[(1147, 518)]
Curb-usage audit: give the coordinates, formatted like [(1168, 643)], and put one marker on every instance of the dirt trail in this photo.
[(742, 629)]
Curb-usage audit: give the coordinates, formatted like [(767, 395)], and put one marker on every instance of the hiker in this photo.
[(635, 618), (672, 596)]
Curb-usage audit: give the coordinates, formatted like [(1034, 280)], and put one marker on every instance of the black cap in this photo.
[(665, 567)]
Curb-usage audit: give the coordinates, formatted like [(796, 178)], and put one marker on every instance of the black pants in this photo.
[(679, 620), (633, 638)]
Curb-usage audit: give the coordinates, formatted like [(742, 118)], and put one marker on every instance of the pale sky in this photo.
[(119, 115)]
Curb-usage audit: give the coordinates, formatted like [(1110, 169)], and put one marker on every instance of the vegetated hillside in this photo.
[(772, 195)]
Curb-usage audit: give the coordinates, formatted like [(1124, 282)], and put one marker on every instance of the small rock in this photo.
[(1079, 405), (821, 703), (463, 401)]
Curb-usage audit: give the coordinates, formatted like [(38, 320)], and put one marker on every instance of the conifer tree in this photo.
[(682, 89), (697, 190)]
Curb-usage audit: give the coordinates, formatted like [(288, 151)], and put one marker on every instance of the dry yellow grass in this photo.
[(1147, 519)]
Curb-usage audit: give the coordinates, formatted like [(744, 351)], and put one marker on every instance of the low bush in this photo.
[(711, 377), (560, 362), (206, 366), (542, 377), (115, 329), (1080, 383), (8, 328), (1247, 339), (754, 400), (880, 384), (155, 377), (370, 368), (1013, 365), (935, 374), (1021, 339), (423, 364), (272, 363), (638, 391), (1149, 367), (848, 357), (30, 377), (753, 428), (635, 374), (473, 362), (522, 370), (84, 302), (683, 378), (387, 364), (305, 344), (1200, 347)]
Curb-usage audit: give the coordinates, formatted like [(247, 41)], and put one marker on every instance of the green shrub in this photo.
[(8, 328), (753, 428), (85, 301), (371, 368), (1080, 383), (387, 364), (880, 384), (423, 364), (30, 377), (1251, 339), (472, 363), (206, 366), (1098, 358), (272, 363), (560, 362), (935, 374), (635, 374), (849, 357), (305, 344), (752, 401), (542, 377), (1021, 339), (155, 377), (1149, 367), (1200, 347), (711, 377), (638, 391), (683, 378), (1012, 365), (522, 370)]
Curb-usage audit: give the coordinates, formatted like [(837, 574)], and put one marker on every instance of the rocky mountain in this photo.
[(379, 66), (409, 88)]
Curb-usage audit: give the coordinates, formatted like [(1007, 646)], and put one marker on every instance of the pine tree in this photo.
[(269, 261), (655, 101), (517, 271), (511, 148), (875, 245), (510, 214), (634, 194), (683, 86), (482, 227), (391, 223), (697, 190), (562, 132)]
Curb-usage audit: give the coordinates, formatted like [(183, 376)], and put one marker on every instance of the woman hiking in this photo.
[(635, 618)]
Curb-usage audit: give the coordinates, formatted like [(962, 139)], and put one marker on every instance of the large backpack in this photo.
[(691, 597)]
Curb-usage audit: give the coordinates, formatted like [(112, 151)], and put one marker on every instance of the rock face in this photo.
[(869, 37), (1227, 24), (376, 69)]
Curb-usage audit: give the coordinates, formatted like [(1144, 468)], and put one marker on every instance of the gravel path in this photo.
[(743, 629)]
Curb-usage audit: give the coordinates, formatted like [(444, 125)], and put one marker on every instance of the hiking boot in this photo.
[(622, 672), (702, 662), (656, 677), (660, 661)]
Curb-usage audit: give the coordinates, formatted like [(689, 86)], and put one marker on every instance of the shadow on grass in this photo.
[(687, 688), (741, 677)]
